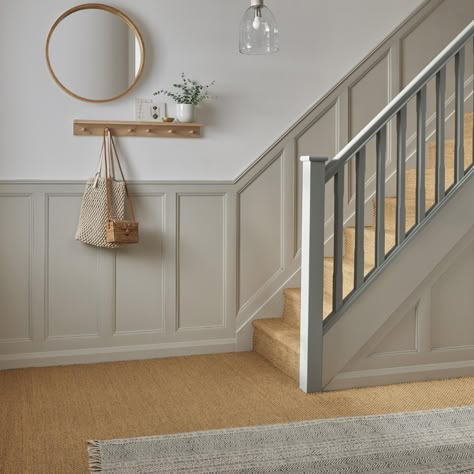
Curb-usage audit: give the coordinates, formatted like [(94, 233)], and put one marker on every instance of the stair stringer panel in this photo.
[(391, 297)]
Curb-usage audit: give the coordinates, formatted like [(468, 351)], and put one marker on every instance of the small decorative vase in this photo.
[(185, 112)]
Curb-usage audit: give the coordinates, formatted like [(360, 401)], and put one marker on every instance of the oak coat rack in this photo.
[(85, 128)]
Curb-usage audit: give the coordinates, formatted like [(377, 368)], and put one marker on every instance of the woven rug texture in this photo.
[(434, 441)]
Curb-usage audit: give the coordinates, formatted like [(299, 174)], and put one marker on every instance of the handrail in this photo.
[(398, 102), (315, 318)]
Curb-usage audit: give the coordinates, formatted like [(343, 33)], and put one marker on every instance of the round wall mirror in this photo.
[(95, 52)]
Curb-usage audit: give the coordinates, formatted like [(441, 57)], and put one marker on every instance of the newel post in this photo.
[(312, 265)]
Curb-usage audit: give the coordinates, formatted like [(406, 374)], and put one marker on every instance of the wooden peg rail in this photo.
[(87, 128)]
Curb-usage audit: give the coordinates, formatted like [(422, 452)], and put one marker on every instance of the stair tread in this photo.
[(292, 292), (278, 330)]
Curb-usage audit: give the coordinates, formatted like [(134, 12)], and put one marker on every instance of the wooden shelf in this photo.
[(87, 128)]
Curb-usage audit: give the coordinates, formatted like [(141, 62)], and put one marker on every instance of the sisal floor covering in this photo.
[(47, 414)]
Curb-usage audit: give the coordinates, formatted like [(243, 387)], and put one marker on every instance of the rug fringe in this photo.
[(95, 461)]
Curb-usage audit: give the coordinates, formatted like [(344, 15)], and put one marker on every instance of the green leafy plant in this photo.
[(188, 91)]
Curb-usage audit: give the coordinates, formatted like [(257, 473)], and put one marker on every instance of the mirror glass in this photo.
[(95, 53)]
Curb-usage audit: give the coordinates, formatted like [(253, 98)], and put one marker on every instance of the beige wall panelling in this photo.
[(73, 279), (261, 255), (452, 303), (428, 36), (16, 236), (201, 261), (402, 338), (139, 271)]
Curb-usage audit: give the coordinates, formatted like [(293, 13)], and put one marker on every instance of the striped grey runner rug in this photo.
[(434, 441)]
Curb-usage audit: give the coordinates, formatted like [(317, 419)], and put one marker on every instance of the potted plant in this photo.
[(186, 95)]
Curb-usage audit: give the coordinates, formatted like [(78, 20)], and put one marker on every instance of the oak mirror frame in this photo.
[(62, 63)]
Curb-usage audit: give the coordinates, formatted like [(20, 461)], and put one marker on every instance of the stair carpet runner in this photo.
[(278, 339)]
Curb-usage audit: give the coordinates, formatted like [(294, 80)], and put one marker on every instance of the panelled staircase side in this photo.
[(361, 253)]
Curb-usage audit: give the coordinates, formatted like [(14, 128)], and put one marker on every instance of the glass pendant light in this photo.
[(258, 30)]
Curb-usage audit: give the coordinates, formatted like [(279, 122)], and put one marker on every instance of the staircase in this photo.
[(278, 339)]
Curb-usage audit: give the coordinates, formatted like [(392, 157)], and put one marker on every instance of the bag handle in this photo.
[(113, 149), (99, 168)]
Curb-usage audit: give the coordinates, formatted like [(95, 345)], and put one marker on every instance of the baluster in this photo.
[(338, 239), (360, 218), (381, 144), (440, 113), (312, 264), (420, 154), (401, 165), (459, 117)]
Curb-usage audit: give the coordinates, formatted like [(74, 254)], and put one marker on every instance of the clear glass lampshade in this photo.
[(258, 31)]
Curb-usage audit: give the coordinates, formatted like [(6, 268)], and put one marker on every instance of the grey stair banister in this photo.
[(459, 116), (312, 264), (360, 218), (401, 165), (338, 240), (381, 145), (420, 154), (316, 173), (440, 124)]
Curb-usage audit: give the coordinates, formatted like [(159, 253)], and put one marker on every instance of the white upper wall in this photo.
[(259, 97)]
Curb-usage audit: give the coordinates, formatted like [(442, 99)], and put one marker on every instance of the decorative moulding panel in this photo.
[(260, 248), (73, 279), (139, 271), (201, 261), (452, 303), (16, 237)]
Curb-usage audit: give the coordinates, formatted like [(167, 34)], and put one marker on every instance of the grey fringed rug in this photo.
[(435, 441)]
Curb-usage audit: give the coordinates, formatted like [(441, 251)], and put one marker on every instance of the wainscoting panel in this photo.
[(72, 273), (261, 246), (16, 234), (201, 261), (140, 272), (426, 38), (402, 338), (452, 303)]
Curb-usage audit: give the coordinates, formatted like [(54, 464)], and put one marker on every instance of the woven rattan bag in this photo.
[(104, 198)]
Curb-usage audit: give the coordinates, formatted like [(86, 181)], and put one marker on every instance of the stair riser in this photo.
[(287, 361), (449, 154), (430, 184), (291, 311)]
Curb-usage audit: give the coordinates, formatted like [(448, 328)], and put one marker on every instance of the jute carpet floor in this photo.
[(48, 414), (434, 441)]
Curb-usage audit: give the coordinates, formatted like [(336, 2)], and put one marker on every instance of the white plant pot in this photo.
[(184, 112)]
